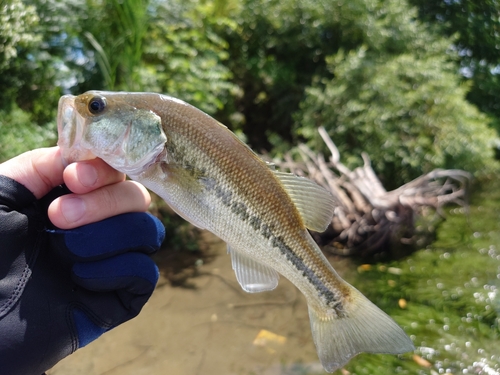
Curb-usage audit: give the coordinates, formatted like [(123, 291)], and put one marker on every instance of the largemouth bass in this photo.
[(216, 182)]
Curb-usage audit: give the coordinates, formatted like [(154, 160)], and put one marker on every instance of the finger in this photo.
[(75, 210), (85, 176), (133, 272), (38, 170), (121, 286), (137, 231)]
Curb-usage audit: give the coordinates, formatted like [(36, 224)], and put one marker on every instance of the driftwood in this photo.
[(368, 219)]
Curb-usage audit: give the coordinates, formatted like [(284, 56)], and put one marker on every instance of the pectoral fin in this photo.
[(253, 276), (314, 203)]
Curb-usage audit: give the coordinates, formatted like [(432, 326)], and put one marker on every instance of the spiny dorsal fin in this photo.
[(315, 204), (253, 276)]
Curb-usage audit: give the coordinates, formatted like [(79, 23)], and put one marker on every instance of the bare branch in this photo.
[(368, 218)]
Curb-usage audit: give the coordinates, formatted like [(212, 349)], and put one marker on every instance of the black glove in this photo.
[(62, 289)]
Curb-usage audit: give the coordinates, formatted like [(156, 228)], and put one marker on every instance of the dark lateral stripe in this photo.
[(331, 299), (240, 209)]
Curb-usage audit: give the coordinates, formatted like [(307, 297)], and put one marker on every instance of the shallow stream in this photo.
[(446, 297)]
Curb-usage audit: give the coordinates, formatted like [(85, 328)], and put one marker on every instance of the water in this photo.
[(450, 294), (446, 297)]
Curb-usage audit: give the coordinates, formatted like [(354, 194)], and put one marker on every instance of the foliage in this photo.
[(17, 35), (42, 48), (408, 114), (50, 46), (183, 55), (397, 98), (18, 134), (379, 80), (274, 52), (477, 26), (16, 29), (273, 70), (115, 31), (28, 76), (280, 46), (165, 47)]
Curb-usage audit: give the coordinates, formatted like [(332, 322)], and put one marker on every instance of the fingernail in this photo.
[(87, 174), (72, 209)]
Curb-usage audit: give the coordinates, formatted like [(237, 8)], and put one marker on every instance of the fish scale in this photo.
[(212, 179)]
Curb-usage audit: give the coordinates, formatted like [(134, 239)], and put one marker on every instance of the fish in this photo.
[(216, 182)]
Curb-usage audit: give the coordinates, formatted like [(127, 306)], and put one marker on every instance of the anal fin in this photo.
[(252, 275)]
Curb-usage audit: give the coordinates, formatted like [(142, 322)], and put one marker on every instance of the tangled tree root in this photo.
[(368, 219)]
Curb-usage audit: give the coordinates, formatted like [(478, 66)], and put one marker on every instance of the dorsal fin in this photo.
[(314, 203)]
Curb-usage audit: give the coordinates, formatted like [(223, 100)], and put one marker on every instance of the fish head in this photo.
[(116, 127)]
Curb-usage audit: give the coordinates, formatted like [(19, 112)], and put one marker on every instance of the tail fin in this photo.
[(365, 328)]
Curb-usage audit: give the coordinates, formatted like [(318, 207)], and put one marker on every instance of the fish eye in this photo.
[(97, 104)]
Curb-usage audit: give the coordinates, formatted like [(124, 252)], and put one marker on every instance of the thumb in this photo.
[(38, 170)]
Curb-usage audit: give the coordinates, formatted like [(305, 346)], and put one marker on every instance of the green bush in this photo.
[(399, 98), (183, 55), (410, 115), (18, 134)]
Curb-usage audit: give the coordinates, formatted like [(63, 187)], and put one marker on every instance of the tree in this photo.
[(28, 76), (183, 55), (114, 31), (18, 37), (274, 52), (365, 69), (398, 98), (408, 114), (477, 27), (273, 70), (42, 55)]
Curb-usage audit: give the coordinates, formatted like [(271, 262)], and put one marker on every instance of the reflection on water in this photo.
[(446, 297)]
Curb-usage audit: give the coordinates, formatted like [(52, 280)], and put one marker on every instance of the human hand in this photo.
[(62, 289), (99, 191)]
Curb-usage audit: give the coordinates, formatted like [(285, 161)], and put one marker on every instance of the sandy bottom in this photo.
[(208, 326)]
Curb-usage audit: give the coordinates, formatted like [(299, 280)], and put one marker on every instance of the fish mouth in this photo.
[(70, 127)]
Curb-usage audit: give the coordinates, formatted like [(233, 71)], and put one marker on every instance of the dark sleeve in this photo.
[(16, 203), (18, 238), (21, 237)]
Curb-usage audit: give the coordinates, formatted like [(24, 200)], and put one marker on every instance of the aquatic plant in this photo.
[(447, 296)]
